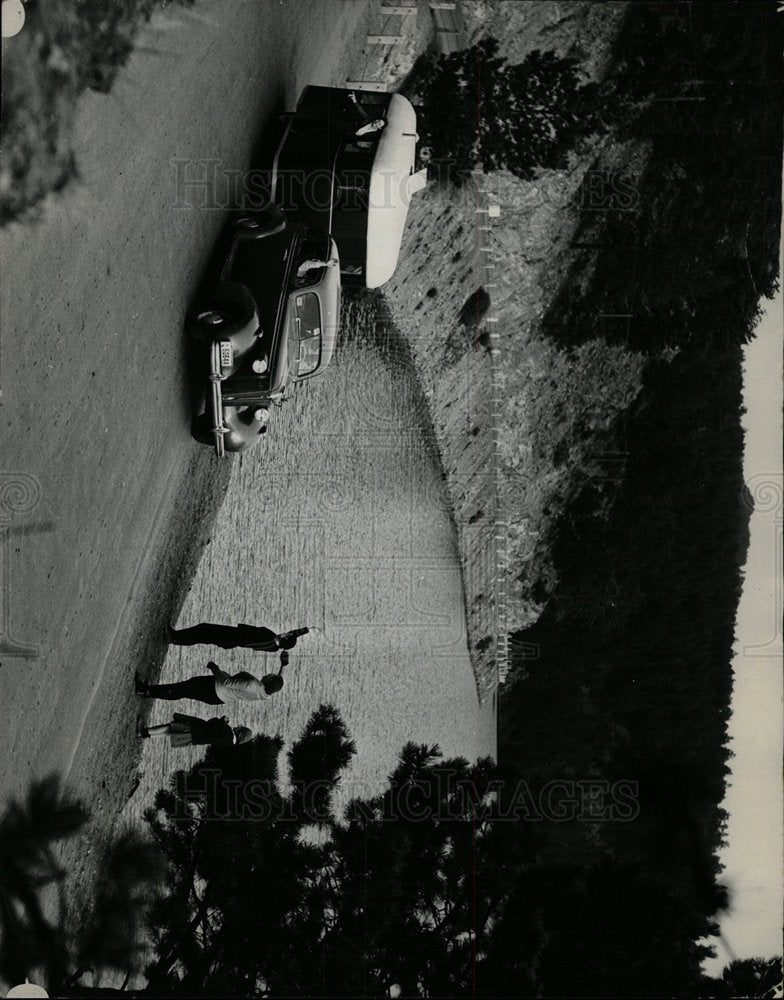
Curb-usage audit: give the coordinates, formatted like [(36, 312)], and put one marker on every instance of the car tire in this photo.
[(201, 429), (207, 321)]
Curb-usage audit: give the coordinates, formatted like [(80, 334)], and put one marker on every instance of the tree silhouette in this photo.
[(29, 832), (633, 678), (403, 891), (241, 873), (315, 763), (30, 939), (684, 247), (479, 111), (749, 978)]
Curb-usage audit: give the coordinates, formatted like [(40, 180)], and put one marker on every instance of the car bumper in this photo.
[(219, 426), (232, 429)]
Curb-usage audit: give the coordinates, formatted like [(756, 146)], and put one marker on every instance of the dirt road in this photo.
[(95, 408)]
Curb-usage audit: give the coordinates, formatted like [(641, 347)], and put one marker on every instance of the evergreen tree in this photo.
[(479, 111), (633, 679), (403, 892), (686, 246), (749, 978)]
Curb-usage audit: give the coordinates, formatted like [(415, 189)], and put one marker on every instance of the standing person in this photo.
[(218, 689), (187, 730), (230, 636)]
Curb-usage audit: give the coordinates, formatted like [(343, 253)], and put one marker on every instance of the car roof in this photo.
[(390, 191)]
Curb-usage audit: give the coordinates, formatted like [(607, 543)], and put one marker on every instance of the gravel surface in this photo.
[(95, 406), (340, 522)]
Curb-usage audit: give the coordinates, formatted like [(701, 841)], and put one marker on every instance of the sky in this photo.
[(753, 857)]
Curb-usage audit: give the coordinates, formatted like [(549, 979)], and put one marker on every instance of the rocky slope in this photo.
[(517, 420)]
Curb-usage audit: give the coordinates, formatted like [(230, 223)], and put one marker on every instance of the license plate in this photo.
[(226, 354)]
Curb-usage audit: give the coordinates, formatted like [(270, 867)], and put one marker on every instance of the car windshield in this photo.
[(307, 323)]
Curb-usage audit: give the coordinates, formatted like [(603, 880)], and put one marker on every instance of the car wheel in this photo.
[(201, 429)]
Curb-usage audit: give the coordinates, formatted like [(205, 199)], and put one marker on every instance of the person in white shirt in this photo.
[(314, 264), (217, 689)]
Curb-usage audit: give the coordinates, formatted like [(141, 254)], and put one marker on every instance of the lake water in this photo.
[(338, 521)]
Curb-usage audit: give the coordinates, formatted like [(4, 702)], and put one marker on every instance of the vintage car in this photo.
[(347, 162), (267, 322)]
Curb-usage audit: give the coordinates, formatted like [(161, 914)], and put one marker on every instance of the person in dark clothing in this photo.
[(230, 636), (187, 730), (218, 689)]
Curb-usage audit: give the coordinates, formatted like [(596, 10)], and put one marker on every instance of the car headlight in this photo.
[(260, 365)]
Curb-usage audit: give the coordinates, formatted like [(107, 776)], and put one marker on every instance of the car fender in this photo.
[(258, 225)]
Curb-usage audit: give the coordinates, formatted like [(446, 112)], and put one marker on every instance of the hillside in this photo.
[(633, 252), (623, 289), (627, 674), (511, 468), (631, 688)]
